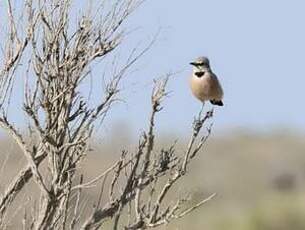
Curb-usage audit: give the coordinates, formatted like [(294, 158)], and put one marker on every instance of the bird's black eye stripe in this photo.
[(198, 64)]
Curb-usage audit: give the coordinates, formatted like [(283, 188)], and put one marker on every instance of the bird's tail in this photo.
[(216, 102)]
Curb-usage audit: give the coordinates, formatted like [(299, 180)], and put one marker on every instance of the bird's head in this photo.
[(201, 66)]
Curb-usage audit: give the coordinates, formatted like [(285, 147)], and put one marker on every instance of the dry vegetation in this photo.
[(53, 176), (247, 171), (53, 48)]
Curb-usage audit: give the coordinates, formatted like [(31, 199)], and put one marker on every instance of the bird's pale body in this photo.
[(204, 83), (207, 87)]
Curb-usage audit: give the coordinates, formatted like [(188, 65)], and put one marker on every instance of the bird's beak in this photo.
[(192, 63)]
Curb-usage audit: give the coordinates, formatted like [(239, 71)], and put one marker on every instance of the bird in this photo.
[(205, 85)]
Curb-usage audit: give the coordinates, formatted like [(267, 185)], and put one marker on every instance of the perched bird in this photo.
[(204, 83)]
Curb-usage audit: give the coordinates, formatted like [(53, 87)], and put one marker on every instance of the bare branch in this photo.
[(60, 49)]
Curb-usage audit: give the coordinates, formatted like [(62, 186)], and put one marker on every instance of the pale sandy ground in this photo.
[(259, 179)]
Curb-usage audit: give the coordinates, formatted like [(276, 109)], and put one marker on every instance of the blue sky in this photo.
[(257, 49)]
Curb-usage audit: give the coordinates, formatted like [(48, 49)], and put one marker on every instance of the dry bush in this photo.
[(54, 55)]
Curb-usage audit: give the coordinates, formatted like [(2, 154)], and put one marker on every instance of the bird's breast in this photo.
[(206, 87)]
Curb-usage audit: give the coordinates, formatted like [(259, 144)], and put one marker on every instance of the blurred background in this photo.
[(255, 158)]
